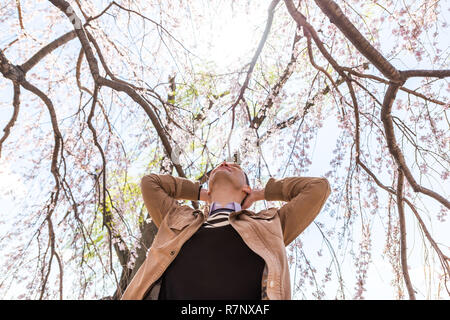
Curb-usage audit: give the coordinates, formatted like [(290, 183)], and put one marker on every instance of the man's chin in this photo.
[(221, 177), (221, 174)]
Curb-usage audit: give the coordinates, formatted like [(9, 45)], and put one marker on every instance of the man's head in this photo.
[(228, 183)]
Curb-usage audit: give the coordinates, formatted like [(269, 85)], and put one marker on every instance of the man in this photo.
[(225, 251)]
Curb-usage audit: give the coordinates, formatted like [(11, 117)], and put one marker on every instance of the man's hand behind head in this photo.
[(255, 195)]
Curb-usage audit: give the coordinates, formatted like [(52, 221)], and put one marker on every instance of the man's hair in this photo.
[(248, 183), (246, 178)]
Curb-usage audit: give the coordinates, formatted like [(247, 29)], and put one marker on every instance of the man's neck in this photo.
[(225, 194)]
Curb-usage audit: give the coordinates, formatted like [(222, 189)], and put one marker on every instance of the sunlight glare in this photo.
[(229, 36)]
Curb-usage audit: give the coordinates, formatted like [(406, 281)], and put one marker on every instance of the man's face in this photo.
[(228, 171)]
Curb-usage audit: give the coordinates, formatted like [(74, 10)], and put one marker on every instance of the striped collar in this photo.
[(230, 206)]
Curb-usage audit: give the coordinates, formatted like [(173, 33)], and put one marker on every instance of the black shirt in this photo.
[(215, 263)]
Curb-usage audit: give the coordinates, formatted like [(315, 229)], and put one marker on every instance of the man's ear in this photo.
[(246, 188)]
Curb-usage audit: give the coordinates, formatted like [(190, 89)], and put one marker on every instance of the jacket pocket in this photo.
[(180, 219), (267, 214)]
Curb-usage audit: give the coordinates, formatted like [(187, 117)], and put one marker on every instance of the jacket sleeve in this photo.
[(305, 197), (161, 192)]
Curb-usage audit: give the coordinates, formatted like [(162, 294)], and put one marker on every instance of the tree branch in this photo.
[(425, 73), (337, 17), (10, 124), (403, 250), (394, 149), (30, 63), (244, 86)]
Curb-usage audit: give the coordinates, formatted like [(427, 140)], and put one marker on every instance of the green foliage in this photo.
[(125, 192)]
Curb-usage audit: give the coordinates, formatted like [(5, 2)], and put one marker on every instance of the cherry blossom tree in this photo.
[(94, 96)]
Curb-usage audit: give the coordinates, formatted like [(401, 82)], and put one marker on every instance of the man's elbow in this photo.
[(322, 188), (148, 180), (326, 186)]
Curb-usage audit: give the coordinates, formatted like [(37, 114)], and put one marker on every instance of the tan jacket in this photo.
[(267, 232)]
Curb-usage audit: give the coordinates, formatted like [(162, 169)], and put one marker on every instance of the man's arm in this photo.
[(160, 192), (305, 196)]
